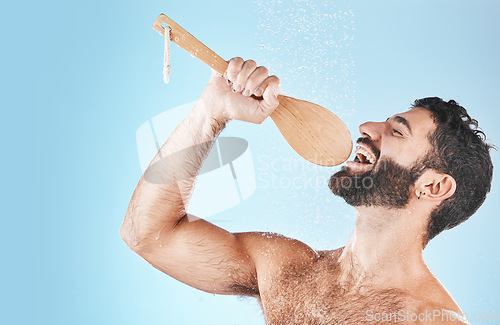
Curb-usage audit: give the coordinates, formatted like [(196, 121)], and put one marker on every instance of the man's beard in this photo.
[(387, 184)]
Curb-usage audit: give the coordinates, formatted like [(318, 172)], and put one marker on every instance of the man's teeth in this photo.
[(365, 156)]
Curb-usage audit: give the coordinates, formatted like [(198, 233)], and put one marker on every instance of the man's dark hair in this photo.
[(459, 150)]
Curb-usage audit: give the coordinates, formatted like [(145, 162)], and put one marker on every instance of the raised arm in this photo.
[(156, 225)]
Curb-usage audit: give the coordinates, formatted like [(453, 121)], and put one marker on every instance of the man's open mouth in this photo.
[(365, 159), (364, 156)]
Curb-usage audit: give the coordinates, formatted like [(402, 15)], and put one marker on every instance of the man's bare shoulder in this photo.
[(436, 303), (272, 248), (274, 254)]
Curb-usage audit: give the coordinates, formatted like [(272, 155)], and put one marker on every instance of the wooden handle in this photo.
[(314, 132), (188, 42)]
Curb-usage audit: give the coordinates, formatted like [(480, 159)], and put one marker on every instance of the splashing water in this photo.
[(307, 44)]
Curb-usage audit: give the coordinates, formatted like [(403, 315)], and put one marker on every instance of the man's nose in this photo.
[(371, 130)]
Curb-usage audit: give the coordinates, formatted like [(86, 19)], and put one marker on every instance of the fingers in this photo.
[(234, 68), (255, 82), (250, 79), (239, 72), (243, 77), (247, 79)]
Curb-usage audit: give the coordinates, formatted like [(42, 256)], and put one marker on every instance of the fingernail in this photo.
[(246, 92), (233, 76), (237, 87), (258, 91)]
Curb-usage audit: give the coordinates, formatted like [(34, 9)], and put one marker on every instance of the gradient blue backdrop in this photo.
[(78, 78)]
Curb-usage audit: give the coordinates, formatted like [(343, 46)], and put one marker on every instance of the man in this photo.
[(421, 172)]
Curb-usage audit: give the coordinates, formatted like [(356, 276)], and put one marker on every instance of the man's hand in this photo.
[(230, 96)]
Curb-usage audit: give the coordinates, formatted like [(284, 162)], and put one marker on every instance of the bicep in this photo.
[(214, 260), (204, 256)]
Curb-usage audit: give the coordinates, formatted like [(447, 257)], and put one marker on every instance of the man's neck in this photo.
[(384, 248)]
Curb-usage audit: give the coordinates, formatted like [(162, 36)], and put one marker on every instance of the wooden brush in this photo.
[(314, 132)]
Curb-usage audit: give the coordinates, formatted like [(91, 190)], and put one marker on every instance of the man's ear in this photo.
[(435, 186)]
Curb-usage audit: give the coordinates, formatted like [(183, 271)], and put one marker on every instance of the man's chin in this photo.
[(348, 182)]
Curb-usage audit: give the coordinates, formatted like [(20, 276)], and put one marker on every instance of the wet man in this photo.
[(429, 169)]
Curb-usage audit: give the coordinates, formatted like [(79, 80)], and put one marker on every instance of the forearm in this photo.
[(162, 195)]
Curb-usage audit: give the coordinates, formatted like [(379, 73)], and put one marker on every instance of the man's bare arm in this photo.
[(156, 225)]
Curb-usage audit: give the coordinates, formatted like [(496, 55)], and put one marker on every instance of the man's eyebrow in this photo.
[(401, 120)]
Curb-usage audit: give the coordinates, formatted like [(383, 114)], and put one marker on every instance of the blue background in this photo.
[(79, 78)]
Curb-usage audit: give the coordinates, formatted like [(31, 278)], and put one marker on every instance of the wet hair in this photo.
[(459, 150)]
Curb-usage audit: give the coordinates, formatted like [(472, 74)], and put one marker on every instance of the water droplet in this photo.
[(159, 232)]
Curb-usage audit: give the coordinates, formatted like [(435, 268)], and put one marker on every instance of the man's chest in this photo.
[(314, 296)]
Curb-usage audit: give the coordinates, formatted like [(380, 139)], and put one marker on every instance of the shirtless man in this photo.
[(422, 171)]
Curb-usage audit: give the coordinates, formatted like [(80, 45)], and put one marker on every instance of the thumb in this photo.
[(270, 102)]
